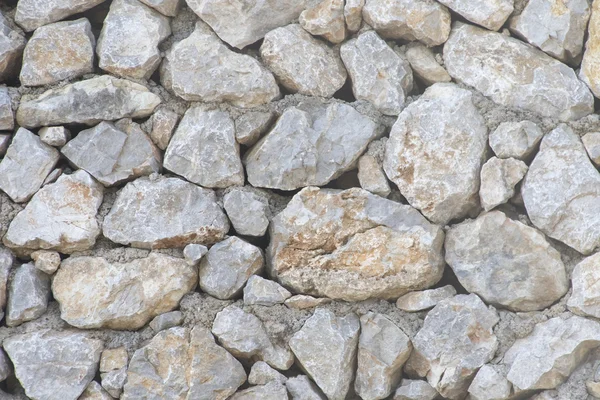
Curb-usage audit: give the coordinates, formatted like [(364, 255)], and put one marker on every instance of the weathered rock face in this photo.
[(28, 295), (98, 99), (506, 262), (94, 391), (59, 51), (204, 151), (162, 123), (6, 262), (270, 391), (261, 374), (264, 292), (247, 211), (167, 212), (302, 63), (455, 341), (12, 43), (241, 24), (561, 191), (7, 118), (490, 14), (424, 299), (217, 73), (585, 299), (490, 384), (31, 14), (309, 145), (112, 359), (326, 348), (424, 64), (423, 20), (415, 390), (94, 293), (56, 136), (325, 19), (302, 301), (301, 387), (54, 365), (194, 253), (61, 217), (251, 125), (378, 74), (342, 244), (591, 142), (435, 152), (166, 321), (515, 139), (498, 180), (371, 176), (515, 74), (591, 56), (170, 8)]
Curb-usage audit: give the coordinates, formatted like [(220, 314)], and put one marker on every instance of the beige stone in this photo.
[(490, 14), (112, 359), (424, 65), (31, 14), (325, 19)]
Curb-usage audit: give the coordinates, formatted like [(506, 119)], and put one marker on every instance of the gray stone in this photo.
[(591, 56), (244, 336), (60, 217), (113, 359), (301, 387), (248, 211), (56, 136), (28, 295), (60, 51), (490, 14), (31, 14), (435, 152), (261, 374), (424, 299), (12, 43), (562, 190), (170, 8), (310, 145), (499, 177), (456, 339), (204, 151), (301, 63), (270, 391), (371, 176), (353, 14), (128, 43), (193, 253), (218, 74), (415, 390), (54, 365), (7, 118), (98, 99), (114, 381), (163, 123), (585, 298), (53, 176), (490, 384), (27, 163), (382, 351), (163, 213), (264, 292), (5, 140), (166, 321), (591, 142), (515, 139), (6, 262), (302, 302), (46, 261), (353, 245), (424, 65), (325, 19), (94, 391), (251, 125), (5, 367), (378, 74), (515, 74)]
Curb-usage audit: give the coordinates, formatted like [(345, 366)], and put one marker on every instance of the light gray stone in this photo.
[(310, 145), (515, 139), (353, 14), (301, 387), (561, 191), (499, 177), (53, 176), (193, 253), (261, 374), (5, 140), (248, 211), (54, 365), (591, 142), (6, 262), (7, 118), (113, 359), (490, 14), (170, 8), (46, 261), (60, 217), (490, 384), (166, 321), (515, 74), (218, 74), (371, 176), (424, 65), (114, 381), (435, 152), (270, 391), (163, 213), (251, 125), (28, 295), (32, 14), (378, 73), (94, 391), (415, 390), (12, 43), (5, 368), (325, 19), (424, 299), (56, 136), (585, 278), (163, 123), (103, 98), (301, 63), (264, 292), (302, 302), (591, 56)]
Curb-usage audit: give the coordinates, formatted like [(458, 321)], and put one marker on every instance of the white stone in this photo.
[(515, 139), (499, 177), (248, 211), (31, 14), (170, 8), (193, 253), (424, 65), (302, 301), (585, 298), (46, 261), (490, 384), (325, 19), (301, 387), (12, 43), (270, 391), (591, 142), (5, 367), (28, 295), (424, 299), (415, 390), (251, 125), (371, 176), (353, 14), (264, 292), (56, 136), (166, 321), (261, 374), (490, 14)]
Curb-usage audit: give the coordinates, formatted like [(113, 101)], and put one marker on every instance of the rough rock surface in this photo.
[(46, 261), (591, 142), (94, 391), (415, 390), (193, 253), (250, 126), (591, 56), (325, 19), (353, 14), (31, 14), (371, 176), (585, 299), (261, 374), (515, 139), (12, 43), (170, 8), (6, 262), (489, 384), (302, 301), (424, 64), (7, 117), (112, 359), (498, 180), (163, 123), (28, 295), (424, 299), (56, 136), (247, 211), (167, 320), (264, 292), (301, 387), (490, 14), (270, 391)]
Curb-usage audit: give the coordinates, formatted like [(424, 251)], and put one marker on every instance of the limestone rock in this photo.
[(382, 351), (325, 19), (59, 51), (591, 56), (247, 211), (353, 245), (251, 125), (490, 14), (217, 74), (546, 358), (128, 43), (562, 189), (54, 365), (270, 391), (114, 381), (27, 163), (178, 364), (585, 299), (515, 139), (301, 387), (515, 74), (56, 136), (424, 20), (372, 177), (93, 293), (94, 391), (498, 180), (261, 374), (591, 141), (264, 292), (244, 336), (435, 152), (302, 63), (6, 262), (326, 349), (46, 261), (353, 14), (31, 14), (28, 295), (415, 390), (166, 321), (60, 217), (12, 43), (424, 65), (250, 24), (204, 151), (456, 340), (163, 123), (113, 359), (490, 384), (424, 299), (302, 301), (167, 212), (98, 99), (5, 368), (193, 253), (7, 118), (170, 8), (309, 145), (378, 74)]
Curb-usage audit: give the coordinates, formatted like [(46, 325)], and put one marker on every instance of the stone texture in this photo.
[(301, 387), (244, 336), (585, 298), (353, 245), (163, 123), (247, 211), (128, 43), (302, 301), (490, 14), (261, 374), (28, 295), (382, 351), (251, 125), (561, 191), (193, 253), (515, 139), (59, 51), (6, 262), (424, 65), (499, 177), (167, 212), (5, 367), (46, 261), (270, 391), (435, 152), (94, 391), (166, 321), (424, 20), (415, 390), (325, 19), (310, 145), (60, 217), (490, 384), (114, 381), (56, 136), (301, 63), (591, 56), (378, 73), (27, 163), (54, 365), (7, 117), (113, 359), (204, 151), (170, 8), (591, 142), (424, 299), (12, 43), (217, 74), (31, 14), (456, 340), (227, 266), (353, 14), (515, 74), (4, 143), (98, 99), (264, 292), (371, 176), (181, 364)]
